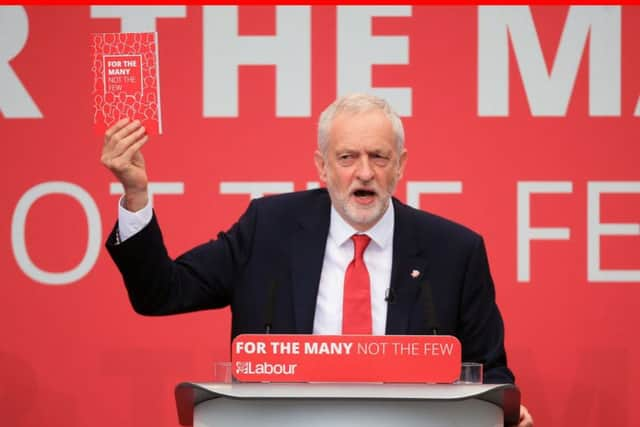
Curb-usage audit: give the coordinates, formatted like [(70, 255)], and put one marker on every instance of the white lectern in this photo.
[(330, 404)]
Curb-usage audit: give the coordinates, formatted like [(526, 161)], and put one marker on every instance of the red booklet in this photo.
[(126, 80)]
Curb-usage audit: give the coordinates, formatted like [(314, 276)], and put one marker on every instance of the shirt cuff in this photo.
[(130, 223)]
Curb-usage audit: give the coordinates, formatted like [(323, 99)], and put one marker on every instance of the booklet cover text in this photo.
[(126, 80)]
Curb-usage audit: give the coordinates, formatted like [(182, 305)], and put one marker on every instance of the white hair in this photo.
[(357, 103)]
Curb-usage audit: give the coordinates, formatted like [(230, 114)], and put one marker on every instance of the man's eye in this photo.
[(379, 159)]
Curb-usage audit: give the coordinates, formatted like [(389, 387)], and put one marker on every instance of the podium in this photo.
[(334, 404)]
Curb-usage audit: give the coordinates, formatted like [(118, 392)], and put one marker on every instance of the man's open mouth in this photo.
[(364, 193)]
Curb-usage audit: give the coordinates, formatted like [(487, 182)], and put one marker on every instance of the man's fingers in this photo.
[(120, 130), (126, 141), (127, 129), (120, 144), (114, 154), (124, 160), (115, 128), (134, 148), (122, 163), (525, 417)]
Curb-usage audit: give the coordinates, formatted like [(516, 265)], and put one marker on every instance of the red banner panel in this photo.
[(521, 122)]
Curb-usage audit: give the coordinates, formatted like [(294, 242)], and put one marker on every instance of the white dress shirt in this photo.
[(129, 223), (337, 256)]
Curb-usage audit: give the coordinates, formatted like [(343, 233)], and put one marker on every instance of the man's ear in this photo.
[(403, 163), (319, 160)]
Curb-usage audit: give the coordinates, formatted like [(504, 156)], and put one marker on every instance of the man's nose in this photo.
[(365, 171)]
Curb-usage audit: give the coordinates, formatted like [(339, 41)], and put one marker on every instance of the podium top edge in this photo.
[(344, 390), (190, 394)]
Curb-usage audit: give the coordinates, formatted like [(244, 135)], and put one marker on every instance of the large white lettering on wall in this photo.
[(19, 244), (526, 233), (358, 50), (224, 51), (417, 188), (138, 18), (597, 229), (154, 189), (15, 101), (548, 92)]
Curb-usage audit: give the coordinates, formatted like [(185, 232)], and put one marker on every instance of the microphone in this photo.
[(271, 302), (390, 295), (430, 315)]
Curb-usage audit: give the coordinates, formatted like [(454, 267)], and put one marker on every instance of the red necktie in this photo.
[(356, 305)]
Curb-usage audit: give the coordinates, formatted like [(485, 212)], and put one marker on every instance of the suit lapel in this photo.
[(408, 269), (308, 245)]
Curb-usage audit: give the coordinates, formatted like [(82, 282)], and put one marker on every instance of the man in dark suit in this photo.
[(284, 264)]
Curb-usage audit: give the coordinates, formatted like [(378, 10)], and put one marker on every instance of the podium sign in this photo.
[(346, 358)]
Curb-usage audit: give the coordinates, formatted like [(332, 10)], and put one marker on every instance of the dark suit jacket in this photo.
[(271, 260)]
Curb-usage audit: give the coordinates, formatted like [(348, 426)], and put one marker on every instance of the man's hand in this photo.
[(525, 418), (121, 155)]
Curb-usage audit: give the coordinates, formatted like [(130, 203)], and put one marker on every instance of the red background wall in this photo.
[(76, 354)]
